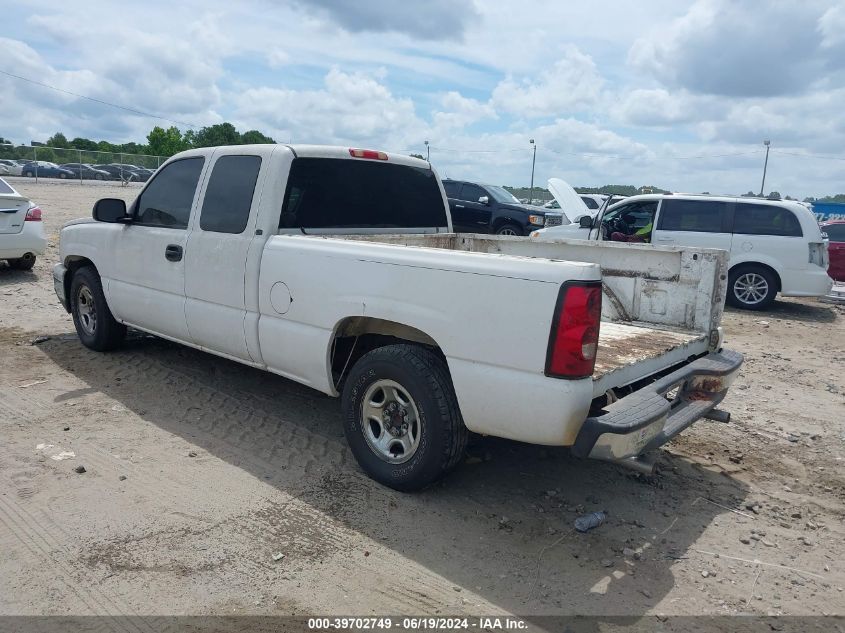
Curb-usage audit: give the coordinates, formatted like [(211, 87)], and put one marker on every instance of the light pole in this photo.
[(765, 165), (427, 152), (533, 161)]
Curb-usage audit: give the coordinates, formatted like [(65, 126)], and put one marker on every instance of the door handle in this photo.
[(173, 253)]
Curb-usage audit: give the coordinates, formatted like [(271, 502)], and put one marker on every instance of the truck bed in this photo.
[(661, 305), (628, 352)]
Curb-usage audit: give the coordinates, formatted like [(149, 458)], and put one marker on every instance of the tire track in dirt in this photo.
[(39, 540)]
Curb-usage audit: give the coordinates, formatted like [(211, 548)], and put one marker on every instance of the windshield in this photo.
[(502, 195)]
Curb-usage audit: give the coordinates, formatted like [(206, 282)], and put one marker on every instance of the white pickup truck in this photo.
[(337, 268)]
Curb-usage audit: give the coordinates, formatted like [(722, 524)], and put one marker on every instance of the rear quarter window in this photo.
[(228, 197), (335, 193), (759, 219)]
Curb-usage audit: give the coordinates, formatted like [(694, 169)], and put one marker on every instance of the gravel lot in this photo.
[(199, 472)]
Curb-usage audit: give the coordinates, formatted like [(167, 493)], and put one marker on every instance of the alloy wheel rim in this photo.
[(390, 422), (751, 288)]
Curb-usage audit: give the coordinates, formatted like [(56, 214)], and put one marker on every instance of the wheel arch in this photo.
[(354, 336), (72, 264), (500, 221)]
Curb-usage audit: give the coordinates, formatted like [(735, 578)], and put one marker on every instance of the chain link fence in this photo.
[(41, 161)]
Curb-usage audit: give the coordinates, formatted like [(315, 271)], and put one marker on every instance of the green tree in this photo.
[(167, 142), (83, 144), (219, 134), (774, 195), (58, 140), (254, 137), (749, 194)]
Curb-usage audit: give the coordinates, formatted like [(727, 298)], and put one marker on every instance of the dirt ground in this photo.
[(200, 472)]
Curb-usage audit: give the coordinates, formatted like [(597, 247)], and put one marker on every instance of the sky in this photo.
[(656, 92)]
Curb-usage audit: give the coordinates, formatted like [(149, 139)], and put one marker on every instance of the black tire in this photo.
[(99, 176), (751, 287), (28, 174), (424, 377), (106, 333), (22, 263), (509, 229), (62, 176)]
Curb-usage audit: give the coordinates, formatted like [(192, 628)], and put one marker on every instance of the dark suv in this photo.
[(479, 208)]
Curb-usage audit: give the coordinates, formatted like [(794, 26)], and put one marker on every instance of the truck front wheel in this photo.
[(95, 325), (401, 417)]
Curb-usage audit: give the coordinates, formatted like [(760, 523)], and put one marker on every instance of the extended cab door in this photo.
[(704, 223), (146, 266), (216, 253)]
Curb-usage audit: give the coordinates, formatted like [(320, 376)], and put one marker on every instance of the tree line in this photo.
[(160, 141)]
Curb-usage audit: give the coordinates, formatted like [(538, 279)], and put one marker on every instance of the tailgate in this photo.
[(627, 353), (13, 210)]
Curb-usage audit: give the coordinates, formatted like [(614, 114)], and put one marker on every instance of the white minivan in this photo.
[(775, 246)]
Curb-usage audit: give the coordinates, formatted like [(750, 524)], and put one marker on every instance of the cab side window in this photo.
[(168, 198), (764, 219), (228, 197), (701, 216), (451, 188), (471, 193)]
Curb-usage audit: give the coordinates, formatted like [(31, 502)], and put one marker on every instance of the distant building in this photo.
[(829, 211)]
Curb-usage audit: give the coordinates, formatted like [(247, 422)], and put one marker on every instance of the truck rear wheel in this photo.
[(94, 322), (401, 417)]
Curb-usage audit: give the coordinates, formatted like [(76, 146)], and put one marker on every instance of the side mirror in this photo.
[(110, 210), (586, 222), (484, 200)]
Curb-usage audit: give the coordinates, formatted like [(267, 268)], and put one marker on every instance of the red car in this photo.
[(835, 230)]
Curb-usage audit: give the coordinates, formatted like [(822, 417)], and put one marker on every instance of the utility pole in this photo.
[(765, 165), (427, 152), (533, 161)]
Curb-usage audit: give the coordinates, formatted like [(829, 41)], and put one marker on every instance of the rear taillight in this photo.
[(574, 337), (33, 215), (367, 153)]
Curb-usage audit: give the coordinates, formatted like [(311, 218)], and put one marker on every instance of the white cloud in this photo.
[(571, 84), (459, 111), (350, 107)]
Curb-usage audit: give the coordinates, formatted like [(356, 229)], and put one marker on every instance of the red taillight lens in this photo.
[(33, 215), (574, 338), (367, 153)]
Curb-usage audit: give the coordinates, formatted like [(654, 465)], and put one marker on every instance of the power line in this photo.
[(808, 155), (113, 105)]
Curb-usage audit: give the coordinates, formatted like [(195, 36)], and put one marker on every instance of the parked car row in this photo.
[(85, 171)]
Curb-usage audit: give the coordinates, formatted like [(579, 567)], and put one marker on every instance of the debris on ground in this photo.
[(32, 384), (79, 469), (590, 521), (278, 556), (39, 339)]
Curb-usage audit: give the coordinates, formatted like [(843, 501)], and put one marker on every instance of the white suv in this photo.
[(775, 246)]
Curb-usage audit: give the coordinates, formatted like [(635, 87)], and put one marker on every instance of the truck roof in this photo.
[(309, 151)]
